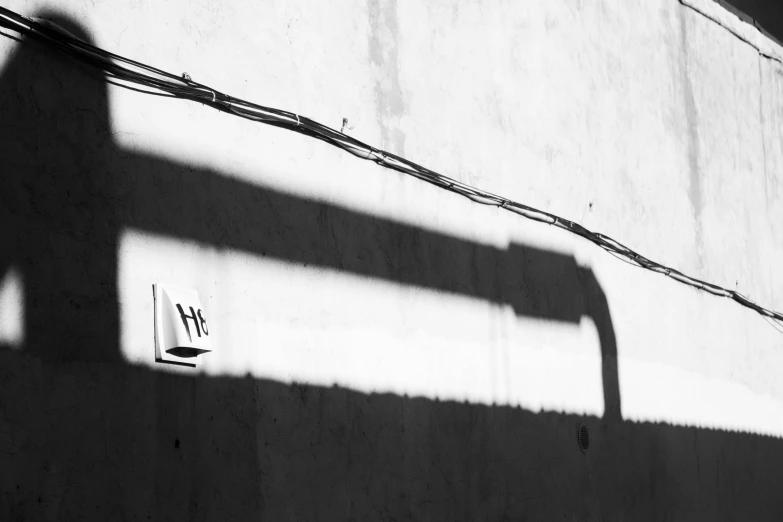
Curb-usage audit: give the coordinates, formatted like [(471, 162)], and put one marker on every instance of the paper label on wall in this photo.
[(181, 327)]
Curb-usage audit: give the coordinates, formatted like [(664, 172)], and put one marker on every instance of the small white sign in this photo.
[(181, 329)]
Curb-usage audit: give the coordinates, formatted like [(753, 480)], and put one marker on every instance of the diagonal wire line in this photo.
[(144, 78)]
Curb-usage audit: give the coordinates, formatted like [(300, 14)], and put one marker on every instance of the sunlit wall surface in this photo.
[(384, 349)]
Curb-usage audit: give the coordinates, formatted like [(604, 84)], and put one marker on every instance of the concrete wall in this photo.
[(386, 350)]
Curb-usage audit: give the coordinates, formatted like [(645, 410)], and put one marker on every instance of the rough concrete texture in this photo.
[(386, 350)]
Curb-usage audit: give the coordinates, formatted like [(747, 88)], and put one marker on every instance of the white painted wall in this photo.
[(644, 120), (557, 105)]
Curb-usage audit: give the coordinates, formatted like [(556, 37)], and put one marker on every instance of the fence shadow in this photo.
[(84, 435)]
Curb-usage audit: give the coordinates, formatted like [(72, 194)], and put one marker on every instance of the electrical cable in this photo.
[(146, 79)]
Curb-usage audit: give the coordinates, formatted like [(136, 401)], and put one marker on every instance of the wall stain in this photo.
[(695, 190), (763, 134), (389, 98)]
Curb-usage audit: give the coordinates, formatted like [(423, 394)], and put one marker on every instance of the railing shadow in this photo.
[(88, 436)]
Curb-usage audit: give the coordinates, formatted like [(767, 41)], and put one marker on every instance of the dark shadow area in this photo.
[(83, 435), (767, 15)]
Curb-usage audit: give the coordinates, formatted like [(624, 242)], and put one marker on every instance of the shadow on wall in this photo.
[(84, 435)]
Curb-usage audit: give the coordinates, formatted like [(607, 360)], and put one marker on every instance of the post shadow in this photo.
[(93, 437)]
